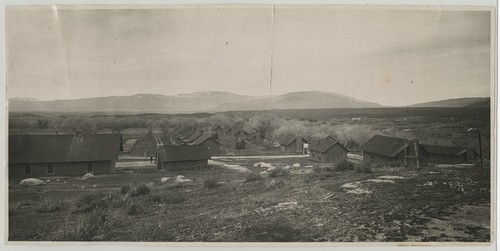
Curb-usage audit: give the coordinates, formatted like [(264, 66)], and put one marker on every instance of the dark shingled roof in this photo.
[(186, 133), (385, 145), (288, 140), (445, 150), (203, 138), (234, 132), (63, 148), (194, 136), (325, 144), (184, 152), (255, 135)]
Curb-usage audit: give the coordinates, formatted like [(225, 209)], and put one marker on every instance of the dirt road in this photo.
[(261, 157)]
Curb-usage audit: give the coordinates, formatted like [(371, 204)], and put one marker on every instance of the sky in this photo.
[(388, 56)]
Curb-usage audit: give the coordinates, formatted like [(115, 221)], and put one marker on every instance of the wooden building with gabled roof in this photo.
[(182, 157), (449, 154), (328, 150), (384, 150), (209, 142), (63, 154), (294, 144)]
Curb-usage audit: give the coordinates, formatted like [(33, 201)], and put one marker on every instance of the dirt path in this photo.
[(261, 157), (228, 166)]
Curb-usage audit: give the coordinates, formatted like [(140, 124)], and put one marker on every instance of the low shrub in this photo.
[(91, 201), (125, 189), (251, 177), (140, 190), (134, 209), (211, 183), (363, 168), (83, 230), (278, 172), (274, 184), (50, 206), (156, 198), (318, 169), (174, 199), (344, 166)]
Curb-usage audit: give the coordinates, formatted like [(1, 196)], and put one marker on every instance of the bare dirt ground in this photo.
[(442, 204)]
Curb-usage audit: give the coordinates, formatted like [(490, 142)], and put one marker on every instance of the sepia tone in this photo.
[(250, 123)]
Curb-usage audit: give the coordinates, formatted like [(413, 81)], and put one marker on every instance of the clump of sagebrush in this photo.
[(156, 198), (91, 201), (318, 169), (125, 189), (140, 190), (211, 183), (278, 172), (251, 177), (275, 183), (344, 166), (134, 209), (276, 228), (174, 199), (49, 206), (22, 203), (84, 229), (363, 168)]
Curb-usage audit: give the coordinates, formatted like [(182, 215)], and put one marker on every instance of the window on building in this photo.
[(176, 164), (27, 169), (90, 167), (372, 159), (50, 168)]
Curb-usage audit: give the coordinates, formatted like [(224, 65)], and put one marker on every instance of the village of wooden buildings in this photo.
[(246, 177), (80, 153)]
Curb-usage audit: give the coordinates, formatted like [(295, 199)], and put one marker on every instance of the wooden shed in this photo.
[(256, 138), (448, 154), (218, 129), (328, 150), (209, 142), (294, 144), (386, 151), (62, 154), (182, 157)]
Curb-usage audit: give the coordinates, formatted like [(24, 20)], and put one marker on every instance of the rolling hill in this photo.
[(194, 102), (458, 102), (297, 100), (137, 103)]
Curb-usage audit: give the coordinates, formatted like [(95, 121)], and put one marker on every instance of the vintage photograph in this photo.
[(250, 123)]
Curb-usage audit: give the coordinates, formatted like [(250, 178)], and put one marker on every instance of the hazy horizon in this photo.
[(261, 96), (387, 56)]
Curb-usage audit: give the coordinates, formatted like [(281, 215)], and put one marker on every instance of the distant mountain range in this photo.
[(458, 102), (213, 102)]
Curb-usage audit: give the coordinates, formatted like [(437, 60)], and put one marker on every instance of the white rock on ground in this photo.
[(296, 165), (181, 179), (88, 176), (359, 191), (380, 181), (224, 165), (164, 179), (31, 182), (352, 185), (389, 177), (287, 167)]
